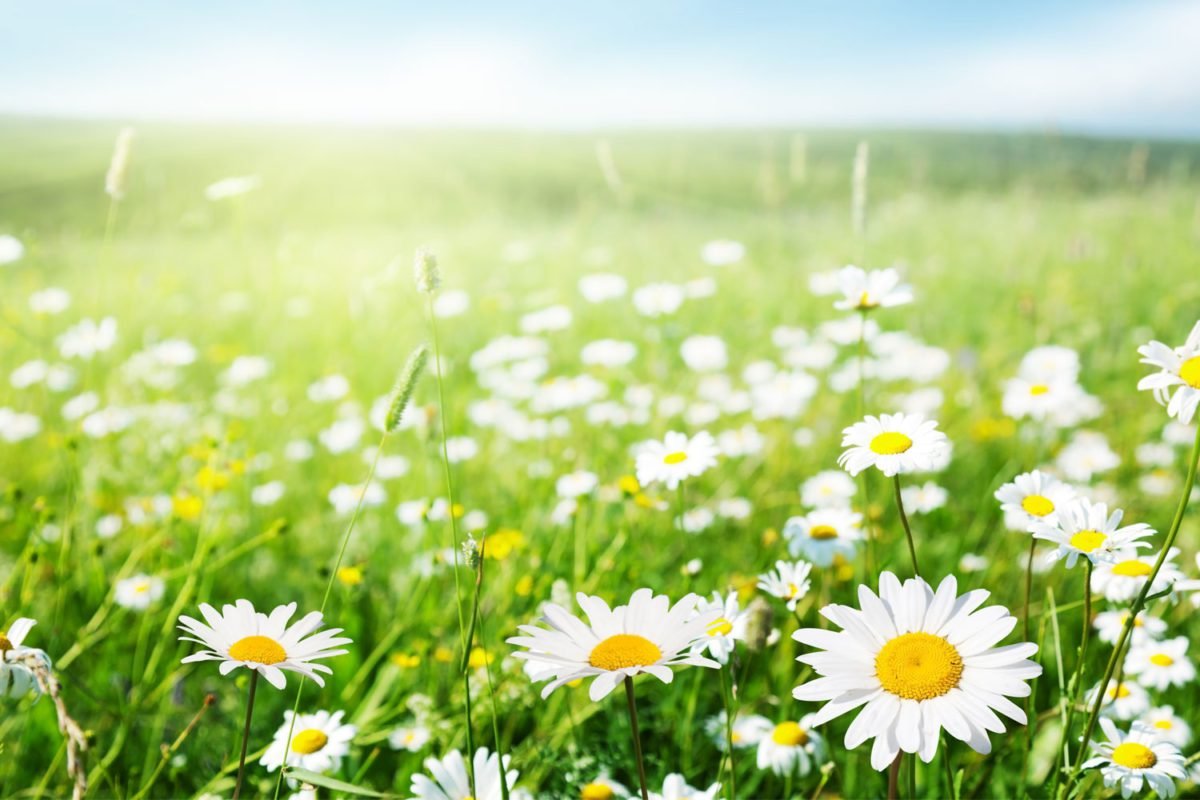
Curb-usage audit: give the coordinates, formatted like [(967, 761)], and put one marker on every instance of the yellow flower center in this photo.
[(1118, 692), (918, 666), (789, 734), (257, 650), (5, 645), (1134, 756), (624, 650), (1132, 568), (1038, 389), (720, 627), (890, 443), (822, 532), (309, 740), (865, 301), (141, 588), (597, 791), (675, 458), (1163, 724), (1037, 505), (1190, 372), (792, 590), (1161, 660), (1088, 541)]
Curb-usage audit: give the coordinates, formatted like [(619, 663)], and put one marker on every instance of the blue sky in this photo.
[(1118, 67)]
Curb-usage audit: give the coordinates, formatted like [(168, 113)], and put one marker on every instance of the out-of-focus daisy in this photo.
[(1145, 629), (675, 458), (1132, 760), (824, 533), (1169, 726), (409, 737), (791, 748), (17, 680), (319, 742), (608, 353), (893, 443), (601, 286), (1087, 529), (232, 187), (704, 353), (11, 249), (647, 635), (863, 290), (1048, 400), (920, 661), (448, 778), (924, 499), (138, 592), (576, 484), (1087, 454), (676, 788), (1178, 367), (1121, 701), (726, 630), (658, 299), (1161, 665), (1033, 497), (239, 636), (788, 582), (603, 787), (1122, 578), (345, 498), (748, 730), (51, 300), (831, 487), (87, 338), (552, 318), (722, 252), (451, 303)]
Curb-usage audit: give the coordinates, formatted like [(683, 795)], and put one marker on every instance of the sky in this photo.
[(1099, 66)]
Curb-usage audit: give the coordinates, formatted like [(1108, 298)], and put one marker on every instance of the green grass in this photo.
[(1010, 242)]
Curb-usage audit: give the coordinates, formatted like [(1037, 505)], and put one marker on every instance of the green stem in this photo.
[(237, 786), (637, 739), (912, 548), (726, 698)]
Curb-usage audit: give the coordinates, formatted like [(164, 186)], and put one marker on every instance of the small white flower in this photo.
[(11, 249), (1137, 758), (139, 592), (576, 484), (1161, 665), (704, 353), (676, 458), (788, 582), (601, 286), (553, 318), (923, 499), (831, 487), (1031, 498), (18, 680), (1125, 701), (726, 630), (722, 252), (1168, 726), (893, 443), (792, 748), (232, 187), (1120, 580), (1086, 528), (863, 291), (658, 299), (345, 497), (1146, 628), (412, 738), (319, 742), (610, 353), (824, 533), (1178, 367), (676, 788), (51, 300), (87, 338)]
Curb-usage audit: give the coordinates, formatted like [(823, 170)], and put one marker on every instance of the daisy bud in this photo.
[(758, 624), (114, 181), (405, 383), (471, 552), (425, 269)]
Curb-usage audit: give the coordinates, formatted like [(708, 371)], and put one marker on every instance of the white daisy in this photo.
[(879, 288), (789, 582), (138, 592), (1124, 701), (319, 742), (893, 443), (1109, 624), (1087, 529), (675, 458), (920, 661), (726, 630), (1120, 580), (17, 680), (448, 778), (409, 737), (603, 787), (1134, 759), (792, 748), (239, 636), (1049, 363), (676, 788), (647, 635), (1161, 665), (831, 487), (924, 499), (1169, 726), (1179, 367), (748, 730), (1033, 497), (824, 533)]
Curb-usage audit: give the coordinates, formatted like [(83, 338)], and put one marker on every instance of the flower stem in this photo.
[(912, 548), (637, 739), (1138, 604), (1075, 686), (237, 787), (894, 777), (1029, 583), (727, 701)]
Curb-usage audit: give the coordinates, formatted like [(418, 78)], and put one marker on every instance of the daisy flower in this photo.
[(138, 592), (1136, 758), (676, 788), (319, 743), (1161, 665), (602, 787), (792, 748), (239, 636), (920, 661), (820, 535), (647, 635), (789, 582), (831, 487), (1124, 701), (450, 781), (1109, 624), (1087, 529), (17, 680), (675, 458), (726, 630), (893, 443), (863, 290), (1168, 726), (1178, 367), (924, 499), (1121, 579), (1033, 497), (748, 730), (411, 738)]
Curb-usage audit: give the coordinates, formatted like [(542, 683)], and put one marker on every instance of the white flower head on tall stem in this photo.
[(18, 680), (788, 582), (319, 742), (676, 458), (647, 635), (1169, 726), (675, 787), (1031, 498), (864, 290), (1161, 665), (1120, 580), (1131, 760), (1087, 529), (448, 778), (1177, 383), (724, 632), (893, 443), (920, 661), (239, 636), (1121, 701), (791, 748), (824, 533)]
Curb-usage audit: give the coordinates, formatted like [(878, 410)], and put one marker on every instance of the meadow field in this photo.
[(198, 416)]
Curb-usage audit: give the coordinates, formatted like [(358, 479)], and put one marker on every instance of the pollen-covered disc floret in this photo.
[(918, 661), (1087, 529), (239, 636), (319, 742), (1131, 760), (824, 533), (647, 635), (676, 458), (1032, 498), (893, 443), (1177, 383), (866, 290)]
